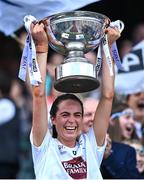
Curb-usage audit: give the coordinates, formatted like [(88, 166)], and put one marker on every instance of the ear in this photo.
[(53, 120), (112, 122)]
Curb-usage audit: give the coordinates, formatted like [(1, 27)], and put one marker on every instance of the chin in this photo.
[(71, 136)]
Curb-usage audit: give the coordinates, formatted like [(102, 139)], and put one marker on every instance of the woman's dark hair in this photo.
[(58, 100)]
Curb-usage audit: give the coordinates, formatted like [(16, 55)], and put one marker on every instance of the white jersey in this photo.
[(53, 160)]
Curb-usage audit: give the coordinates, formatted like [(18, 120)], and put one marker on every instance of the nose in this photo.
[(71, 119), (138, 157), (131, 120)]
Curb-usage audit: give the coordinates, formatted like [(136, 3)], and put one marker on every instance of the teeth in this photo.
[(70, 128)]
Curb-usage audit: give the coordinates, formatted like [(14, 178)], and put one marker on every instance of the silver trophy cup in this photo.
[(73, 34)]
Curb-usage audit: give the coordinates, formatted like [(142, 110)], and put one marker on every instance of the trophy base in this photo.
[(76, 77), (76, 84)]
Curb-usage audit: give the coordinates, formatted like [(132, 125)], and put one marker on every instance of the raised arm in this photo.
[(102, 115), (40, 122)]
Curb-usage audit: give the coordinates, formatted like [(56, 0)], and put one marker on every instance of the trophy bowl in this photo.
[(73, 34)]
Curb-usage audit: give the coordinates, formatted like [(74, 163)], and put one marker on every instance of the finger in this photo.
[(44, 21), (33, 25), (113, 30), (41, 24), (117, 30)]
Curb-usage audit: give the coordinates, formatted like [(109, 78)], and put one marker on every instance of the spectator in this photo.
[(138, 33), (9, 131), (136, 102), (122, 123), (92, 58), (119, 159), (90, 105), (125, 47), (54, 59), (20, 95), (137, 145)]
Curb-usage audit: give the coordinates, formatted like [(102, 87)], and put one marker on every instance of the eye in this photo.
[(127, 116), (137, 94), (64, 115), (87, 114), (78, 115), (140, 152)]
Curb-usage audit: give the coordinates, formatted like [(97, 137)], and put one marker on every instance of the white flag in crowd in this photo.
[(12, 12), (132, 80)]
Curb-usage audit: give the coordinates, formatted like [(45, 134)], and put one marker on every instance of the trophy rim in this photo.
[(73, 15), (78, 13)]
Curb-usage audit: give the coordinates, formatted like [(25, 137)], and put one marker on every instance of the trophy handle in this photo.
[(119, 24)]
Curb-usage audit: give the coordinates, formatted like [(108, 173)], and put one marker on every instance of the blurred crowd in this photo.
[(124, 154)]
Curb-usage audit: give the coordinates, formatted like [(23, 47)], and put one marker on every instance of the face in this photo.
[(90, 106), (91, 56), (138, 33), (139, 156), (127, 125), (56, 60), (68, 122), (16, 89), (125, 48), (136, 102)]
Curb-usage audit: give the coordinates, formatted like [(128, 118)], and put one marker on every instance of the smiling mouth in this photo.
[(140, 105), (69, 128), (129, 129)]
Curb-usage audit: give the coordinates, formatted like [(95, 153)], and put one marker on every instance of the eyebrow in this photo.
[(65, 112), (88, 113)]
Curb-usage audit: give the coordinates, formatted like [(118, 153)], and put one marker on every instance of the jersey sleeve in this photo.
[(38, 151)]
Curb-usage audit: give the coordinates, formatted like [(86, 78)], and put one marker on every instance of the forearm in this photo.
[(107, 81), (103, 112), (40, 123), (102, 115)]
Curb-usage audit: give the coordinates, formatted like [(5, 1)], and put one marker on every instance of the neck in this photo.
[(68, 143)]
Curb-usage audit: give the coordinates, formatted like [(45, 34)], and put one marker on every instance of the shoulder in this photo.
[(123, 147)]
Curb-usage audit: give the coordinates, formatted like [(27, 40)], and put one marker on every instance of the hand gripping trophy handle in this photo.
[(119, 24)]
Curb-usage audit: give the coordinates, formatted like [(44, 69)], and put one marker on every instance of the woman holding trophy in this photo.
[(72, 154)]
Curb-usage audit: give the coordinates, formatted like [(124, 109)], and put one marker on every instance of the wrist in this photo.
[(42, 48)]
